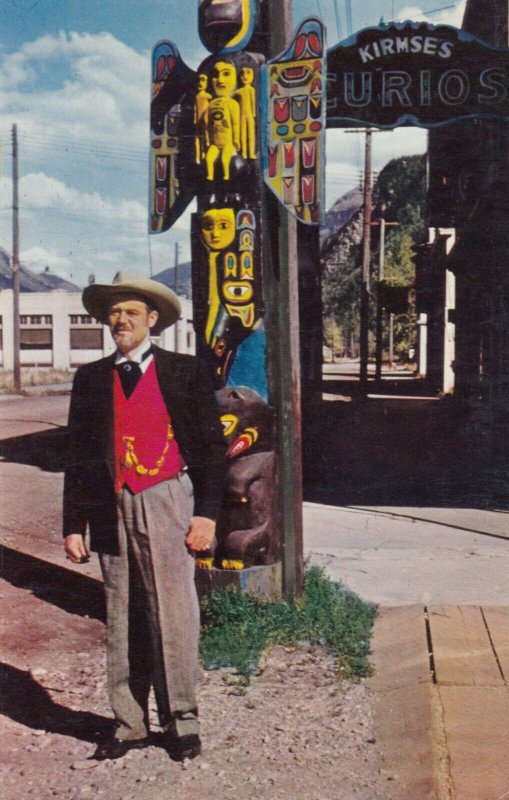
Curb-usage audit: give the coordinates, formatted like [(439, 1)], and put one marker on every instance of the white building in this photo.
[(56, 331)]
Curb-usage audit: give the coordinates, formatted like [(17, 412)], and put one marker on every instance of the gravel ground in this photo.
[(297, 732)]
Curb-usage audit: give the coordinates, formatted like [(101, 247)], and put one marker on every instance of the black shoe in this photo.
[(180, 748), (117, 748)]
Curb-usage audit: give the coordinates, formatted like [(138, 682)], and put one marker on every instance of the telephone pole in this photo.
[(286, 351), (366, 259), (379, 308), (176, 273), (15, 259), (176, 333)]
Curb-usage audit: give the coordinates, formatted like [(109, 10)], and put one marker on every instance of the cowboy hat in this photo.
[(97, 298)]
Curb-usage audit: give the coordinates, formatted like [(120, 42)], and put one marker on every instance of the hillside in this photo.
[(167, 276), (340, 214), (30, 281), (400, 192)]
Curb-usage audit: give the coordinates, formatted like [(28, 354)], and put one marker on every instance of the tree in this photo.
[(400, 196)]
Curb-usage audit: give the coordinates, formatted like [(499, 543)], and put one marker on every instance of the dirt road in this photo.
[(296, 733)]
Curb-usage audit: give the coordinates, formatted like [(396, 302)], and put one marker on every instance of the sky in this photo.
[(75, 80)]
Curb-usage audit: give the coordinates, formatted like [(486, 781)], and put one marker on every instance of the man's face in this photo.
[(130, 321), (224, 79)]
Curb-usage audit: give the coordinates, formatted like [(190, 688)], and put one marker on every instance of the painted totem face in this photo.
[(246, 76), (226, 25), (218, 228), (238, 289), (224, 79), (202, 82)]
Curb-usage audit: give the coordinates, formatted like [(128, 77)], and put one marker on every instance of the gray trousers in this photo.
[(152, 625)]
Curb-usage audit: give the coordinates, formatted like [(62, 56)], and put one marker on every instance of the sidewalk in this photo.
[(441, 701), (440, 647)]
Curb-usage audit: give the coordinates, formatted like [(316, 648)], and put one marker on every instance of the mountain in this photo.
[(167, 276), (341, 213), (30, 281), (400, 194)]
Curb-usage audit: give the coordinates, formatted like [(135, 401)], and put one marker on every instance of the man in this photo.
[(144, 436)]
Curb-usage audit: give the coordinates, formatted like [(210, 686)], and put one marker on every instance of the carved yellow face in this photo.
[(202, 82), (246, 76), (224, 79), (218, 228)]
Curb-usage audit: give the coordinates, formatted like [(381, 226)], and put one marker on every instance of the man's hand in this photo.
[(201, 534), (74, 546)]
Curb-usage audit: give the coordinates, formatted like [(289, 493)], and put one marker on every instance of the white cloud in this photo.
[(447, 16), (38, 258), (81, 104), (100, 89), (45, 192)]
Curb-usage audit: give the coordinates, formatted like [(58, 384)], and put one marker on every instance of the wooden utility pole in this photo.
[(176, 332), (285, 350), (365, 269), (15, 258), (379, 308), (379, 305), (176, 273)]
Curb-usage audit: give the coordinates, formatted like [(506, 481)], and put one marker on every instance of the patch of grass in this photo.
[(238, 627)]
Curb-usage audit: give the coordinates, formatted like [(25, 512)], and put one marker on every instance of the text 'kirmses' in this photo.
[(396, 45)]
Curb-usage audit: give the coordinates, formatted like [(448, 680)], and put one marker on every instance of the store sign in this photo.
[(417, 74)]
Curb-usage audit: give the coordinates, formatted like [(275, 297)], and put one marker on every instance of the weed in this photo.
[(237, 627)]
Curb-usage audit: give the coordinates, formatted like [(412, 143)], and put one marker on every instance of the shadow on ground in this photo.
[(46, 450), (40, 712), (398, 452), (393, 451), (70, 591)]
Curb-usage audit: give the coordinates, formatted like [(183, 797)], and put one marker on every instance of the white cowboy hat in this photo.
[(98, 296)]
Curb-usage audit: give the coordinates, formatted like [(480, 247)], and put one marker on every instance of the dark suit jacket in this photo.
[(89, 496)]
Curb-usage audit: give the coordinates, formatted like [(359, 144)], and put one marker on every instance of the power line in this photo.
[(349, 28), (91, 218), (61, 145), (444, 8), (335, 3)]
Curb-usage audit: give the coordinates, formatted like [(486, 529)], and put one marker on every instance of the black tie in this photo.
[(130, 373)]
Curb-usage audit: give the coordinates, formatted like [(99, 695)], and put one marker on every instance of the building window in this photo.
[(36, 332), (80, 319), (36, 339), (91, 339), (36, 319)]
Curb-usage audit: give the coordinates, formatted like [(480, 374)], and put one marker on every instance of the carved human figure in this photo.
[(222, 120), (201, 103), (218, 232), (246, 97)]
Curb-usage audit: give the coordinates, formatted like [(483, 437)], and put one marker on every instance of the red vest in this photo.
[(146, 451)]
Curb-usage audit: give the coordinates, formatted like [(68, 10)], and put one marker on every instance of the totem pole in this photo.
[(207, 142)]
